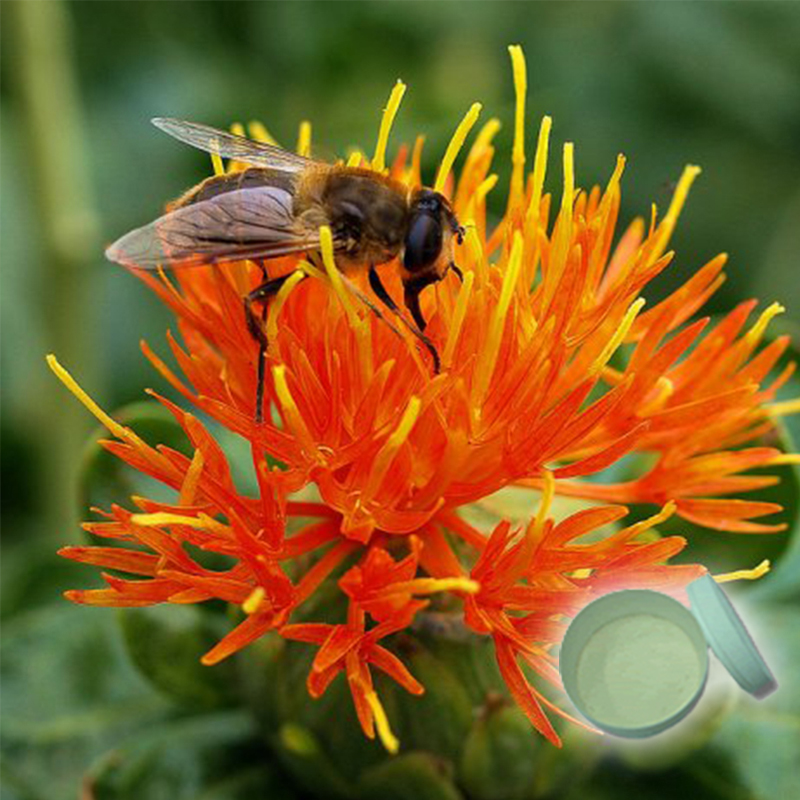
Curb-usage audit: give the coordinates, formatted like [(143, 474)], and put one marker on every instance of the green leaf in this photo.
[(211, 757), (166, 644), (420, 776), (500, 755), (69, 693)]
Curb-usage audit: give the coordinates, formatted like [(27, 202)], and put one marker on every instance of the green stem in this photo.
[(47, 91)]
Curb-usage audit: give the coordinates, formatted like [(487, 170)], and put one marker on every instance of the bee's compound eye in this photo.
[(423, 242)]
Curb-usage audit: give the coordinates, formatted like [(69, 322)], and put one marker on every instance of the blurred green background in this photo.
[(666, 83)]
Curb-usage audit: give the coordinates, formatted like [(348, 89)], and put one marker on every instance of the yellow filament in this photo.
[(744, 574), (431, 585), (113, 426), (456, 143), (618, 337), (312, 271), (216, 163), (304, 139), (395, 441), (536, 525), (783, 408), (464, 294), (518, 151), (645, 524), (326, 249), (200, 522), (355, 158), (539, 170), (484, 188), (667, 226), (568, 197), (389, 113), (786, 458), (753, 336), (486, 134), (473, 242), (277, 304), (259, 132), (488, 357), (664, 390), (254, 600), (189, 486), (388, 739), (291, 412)]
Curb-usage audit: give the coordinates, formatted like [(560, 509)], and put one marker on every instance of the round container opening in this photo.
[(634, 662)]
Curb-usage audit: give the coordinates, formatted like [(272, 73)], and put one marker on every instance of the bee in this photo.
[(276, 206)]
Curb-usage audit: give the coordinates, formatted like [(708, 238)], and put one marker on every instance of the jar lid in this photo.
[(728, 637)]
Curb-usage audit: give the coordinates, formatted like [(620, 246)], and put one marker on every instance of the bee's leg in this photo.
[(384, 296), (256, 327)]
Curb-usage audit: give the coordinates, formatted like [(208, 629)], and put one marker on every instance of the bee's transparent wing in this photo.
[(243, 224), (228, 145)]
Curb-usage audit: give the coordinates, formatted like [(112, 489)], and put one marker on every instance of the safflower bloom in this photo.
[(527, 396)]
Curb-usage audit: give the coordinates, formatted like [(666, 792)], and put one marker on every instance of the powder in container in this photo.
[(637, 670)]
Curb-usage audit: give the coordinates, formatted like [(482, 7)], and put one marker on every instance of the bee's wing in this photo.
[(228, 145), (247, 223)]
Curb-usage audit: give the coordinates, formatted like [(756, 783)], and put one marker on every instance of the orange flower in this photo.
[(527, 396)]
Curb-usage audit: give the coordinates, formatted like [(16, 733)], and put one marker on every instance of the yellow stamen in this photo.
[(581, 573), (388, 739), (355, 159), (539, 170), (568, 196), (216, 163), (304, 139), (456, 143), (277, 304), (745, 574), (464, 294), (254, 600), (488, 357), (389, 113), (312, 271), (415, 170), (518, 152), (484, 188), (432, 585), (121, 432), (189, 485), (646, 524), (619, 336), (667, 226), (395, 441), (664, 389), (259, 132), (753, 336), (237, 129), (784, 408), (291, 413), (473, 242), (486, 134), (200, 522), (536, 525), (326, 249), (786, 458)]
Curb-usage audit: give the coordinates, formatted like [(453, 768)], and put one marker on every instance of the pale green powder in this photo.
[(637, 670)]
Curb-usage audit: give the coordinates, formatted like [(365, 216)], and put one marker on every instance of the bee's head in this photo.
[(428, 245)]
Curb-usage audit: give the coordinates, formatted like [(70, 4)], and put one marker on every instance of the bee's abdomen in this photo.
[(252, 178)]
